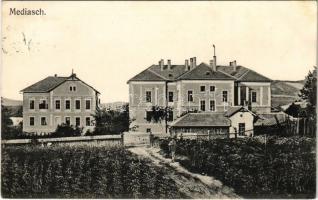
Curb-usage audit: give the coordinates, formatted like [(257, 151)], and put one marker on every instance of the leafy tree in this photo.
[(65, 130), (111, 121), (7, 130)]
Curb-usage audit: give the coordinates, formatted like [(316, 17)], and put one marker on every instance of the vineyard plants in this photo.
[(82, 172), (279, 168)]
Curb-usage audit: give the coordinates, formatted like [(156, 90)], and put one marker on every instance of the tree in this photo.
[(112, 121)]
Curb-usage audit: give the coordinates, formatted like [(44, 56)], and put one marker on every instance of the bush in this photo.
[(284, 167), (65, 130), (82, 172)]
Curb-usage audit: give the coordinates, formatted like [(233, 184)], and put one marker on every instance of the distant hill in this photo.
[(10, 102), (285, 92)]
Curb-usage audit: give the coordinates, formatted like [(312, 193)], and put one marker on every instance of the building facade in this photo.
[(56, 100), (191, 88)]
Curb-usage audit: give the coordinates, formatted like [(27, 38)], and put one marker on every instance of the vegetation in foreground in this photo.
[(83, 172), (279, 168)]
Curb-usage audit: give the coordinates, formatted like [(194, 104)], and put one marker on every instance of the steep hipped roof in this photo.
[(49, 83), (202, 120), (204, 72), (201, 72)]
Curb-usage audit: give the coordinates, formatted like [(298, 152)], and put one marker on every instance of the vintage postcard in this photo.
[(158, 99)]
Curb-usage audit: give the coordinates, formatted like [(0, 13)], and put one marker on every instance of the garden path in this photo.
[(190, 184)]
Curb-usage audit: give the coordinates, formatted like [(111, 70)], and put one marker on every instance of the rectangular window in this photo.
[(88, 121), (202, 88), (88, 104), (170, 116), (68, 121), (212, 88), (170, 96), (190, 96), (32, 104), (148, 96), (148, 116), (224, 95), (254, 96), (43, 104), (242, 129), (43, 121), (57, 104), (212, 105), (148, 130), (31, 121), (202, 105), (77, 104), (77, 121), (67, 104)]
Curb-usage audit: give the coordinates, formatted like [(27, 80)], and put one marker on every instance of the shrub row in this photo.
[(281, 167), (83, 172)]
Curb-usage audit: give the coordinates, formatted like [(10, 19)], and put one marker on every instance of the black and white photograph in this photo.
[(158, 99)]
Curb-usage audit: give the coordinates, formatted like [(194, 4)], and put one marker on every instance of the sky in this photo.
[(107, 43)]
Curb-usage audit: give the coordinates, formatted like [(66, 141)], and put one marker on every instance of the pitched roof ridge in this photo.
[(227, 74), (156, 73), (242, 76), (179, 119), (189, 71)]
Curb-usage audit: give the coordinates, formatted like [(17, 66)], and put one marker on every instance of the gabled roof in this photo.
[(243, 74), (200, 72), (148, 75), (50, 83), (204, 72), (234, 109), (202, 120)]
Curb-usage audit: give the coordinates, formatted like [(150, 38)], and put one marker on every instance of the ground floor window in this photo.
[(170, 116), (68, 121), (88, 121), (202, 105), (212, 105), (77, 121), (43, 121), (31, 121), (242, 129)]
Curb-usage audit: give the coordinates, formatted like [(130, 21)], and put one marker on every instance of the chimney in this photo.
[(211, 65), (161, 64), (233, 64), (55, 75), (186, 65), (214, 58), (194, 61), (169, 64), (191, 63)]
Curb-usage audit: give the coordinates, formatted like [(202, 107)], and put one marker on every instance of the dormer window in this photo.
[(207, 73), (170, 75)]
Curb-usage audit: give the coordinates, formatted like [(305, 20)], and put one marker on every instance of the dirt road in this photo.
[(190, 184)]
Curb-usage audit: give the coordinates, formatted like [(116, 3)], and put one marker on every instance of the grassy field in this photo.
[(281, 168), (81, 172)]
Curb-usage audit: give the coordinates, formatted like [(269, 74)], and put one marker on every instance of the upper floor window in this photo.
[(148, 116), (43, 104), (170, 96), (43, 121), (224, 95), (67, 104), (212, 105), (254, 96), (148, 96), (190, 96), (202, 88), (202, 105), (57, 104), (77, 104), (32, 104), (212, 88), (31, 121), (72, 88), (88, 104)]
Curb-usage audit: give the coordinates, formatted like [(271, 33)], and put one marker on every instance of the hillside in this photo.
[(10, 102), (285, 92)]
